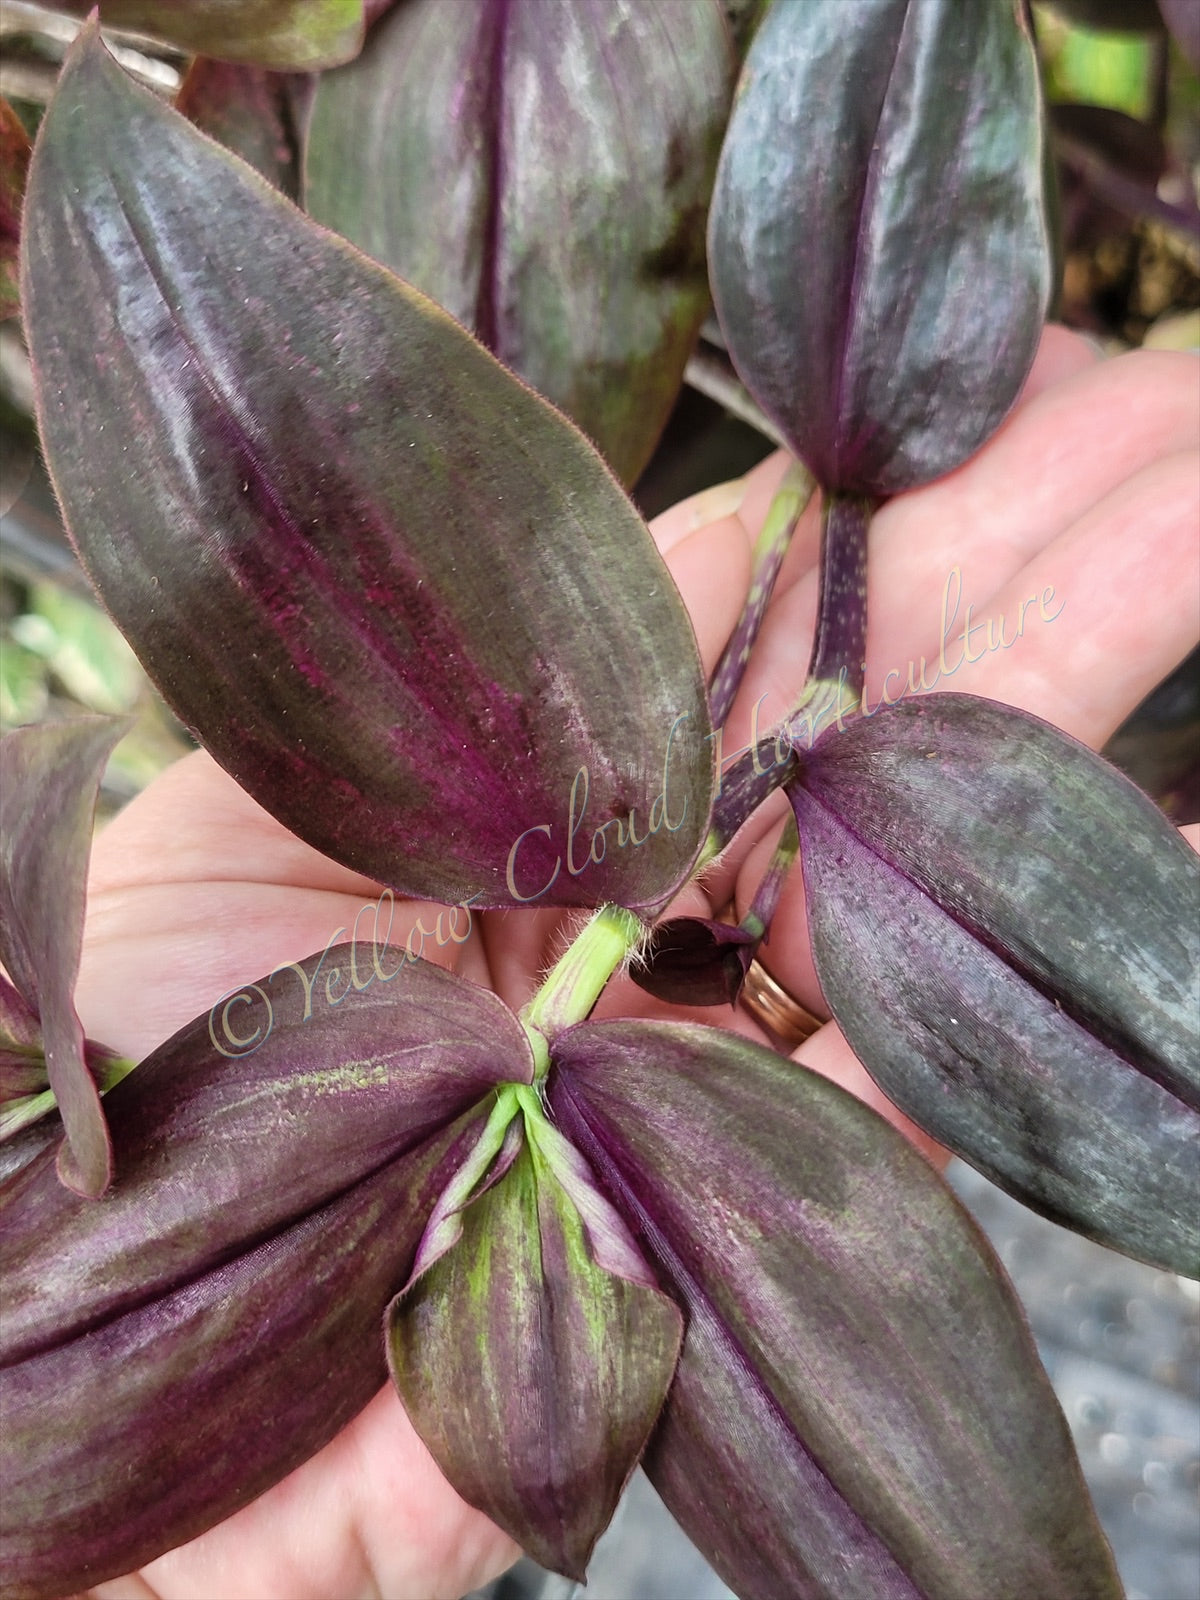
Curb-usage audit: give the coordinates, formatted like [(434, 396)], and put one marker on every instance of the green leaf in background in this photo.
[(1095, 56), (297, 35), (384, 582), (542, 171)]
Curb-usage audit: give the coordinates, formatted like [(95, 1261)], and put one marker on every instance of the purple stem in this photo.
[(840, 645), (786, 509)]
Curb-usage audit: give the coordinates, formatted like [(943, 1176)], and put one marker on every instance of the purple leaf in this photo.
[(283, 34), (384, 582), (692, 961), (565, 1364), (266, 1209), (859, 1412), (149, 1428), (251, 112), (877, 245), (542, 171), (1004, 927), (355, 1076), (51, 778)]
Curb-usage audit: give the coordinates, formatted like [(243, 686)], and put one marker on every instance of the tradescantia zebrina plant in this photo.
[(385, 583)]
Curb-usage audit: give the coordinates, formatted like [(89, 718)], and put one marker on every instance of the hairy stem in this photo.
[(577, 979)]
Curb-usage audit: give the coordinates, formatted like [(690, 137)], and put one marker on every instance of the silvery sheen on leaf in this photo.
[(877, 244), (382, 580), (1004, 928)]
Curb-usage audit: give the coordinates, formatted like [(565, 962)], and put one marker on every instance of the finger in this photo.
[(1060, 355), (1054, 460), (369, 1514), (195, 824), (1117, 608)]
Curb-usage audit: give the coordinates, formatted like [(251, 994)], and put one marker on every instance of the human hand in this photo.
[(1090, 489)]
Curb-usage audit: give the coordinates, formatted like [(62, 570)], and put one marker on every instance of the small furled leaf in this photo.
[(859, 1412), (251, 112), (384, 581), (565, 1364), (1005, 929), (543, 171), (51, 777), (265, 1210), (692, 961), (877, 245), (300, 35), (14, 164)]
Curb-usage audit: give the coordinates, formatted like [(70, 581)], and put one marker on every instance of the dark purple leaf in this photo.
[(383, 580), (283, 34), (266, 1209), (566, 1363), (14, 163), (251, 112), (877, 245), (51, 776), (1005, 929), (859, 1412), (344, 1072), (691, 961), (543, 171), (148, 1428)]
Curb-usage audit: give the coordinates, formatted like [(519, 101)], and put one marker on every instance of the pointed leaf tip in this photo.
[(380, 577), (565, 1364), (51, 777), (1028, 919)]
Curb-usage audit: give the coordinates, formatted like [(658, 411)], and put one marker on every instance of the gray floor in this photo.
[(1121, 1343)]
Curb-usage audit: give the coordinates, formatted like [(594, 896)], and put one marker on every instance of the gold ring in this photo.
[(771, 1005)]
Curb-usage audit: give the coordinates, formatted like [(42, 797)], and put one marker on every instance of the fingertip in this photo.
[(1061, 354)]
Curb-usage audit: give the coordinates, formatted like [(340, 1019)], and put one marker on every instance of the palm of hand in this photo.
[(1089, 491)]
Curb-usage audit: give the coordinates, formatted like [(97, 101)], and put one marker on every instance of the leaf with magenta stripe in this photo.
[(858, 1412), (384, 581), (1005, 929)]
